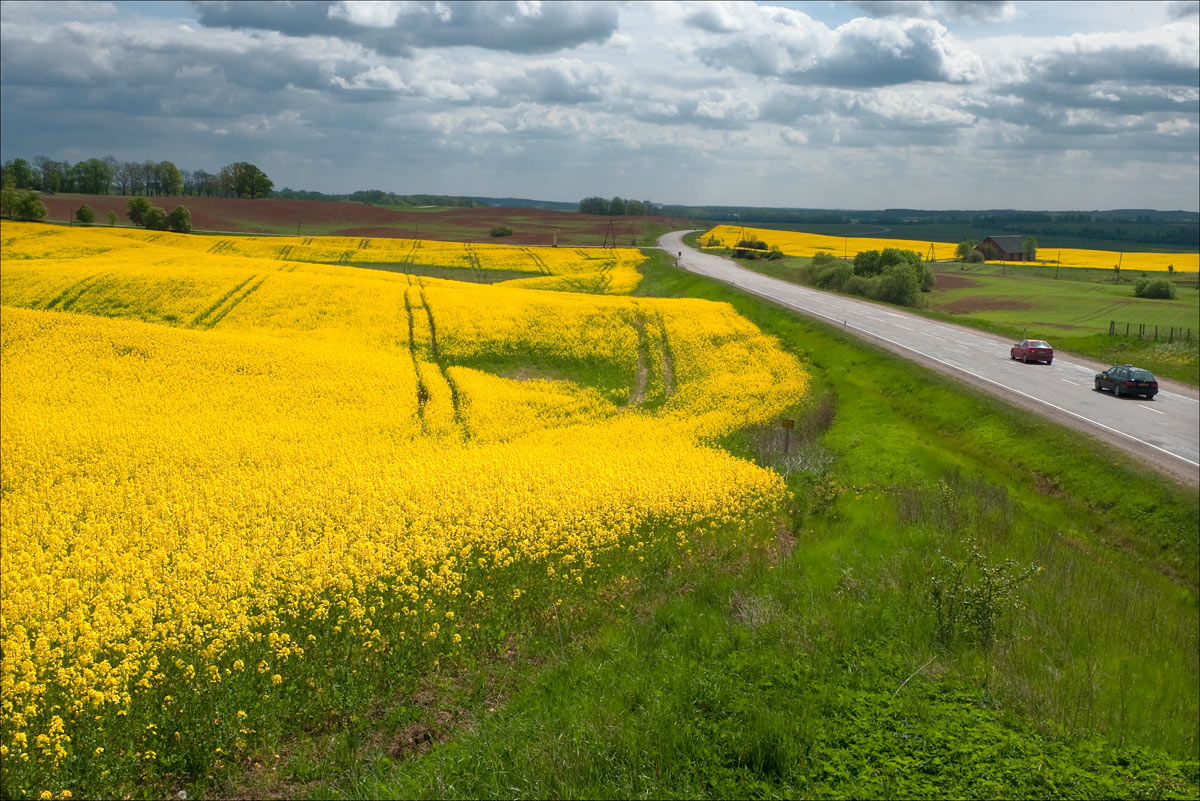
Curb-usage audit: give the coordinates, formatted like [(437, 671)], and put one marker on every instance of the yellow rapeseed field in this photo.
[(801, 244), (235, 484)]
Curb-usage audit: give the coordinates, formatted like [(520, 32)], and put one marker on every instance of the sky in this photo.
[(852, 105)]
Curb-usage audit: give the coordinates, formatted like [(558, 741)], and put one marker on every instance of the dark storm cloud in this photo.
[(785, 44), (397, 28)]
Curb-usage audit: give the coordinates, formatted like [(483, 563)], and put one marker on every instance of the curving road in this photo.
[(1164, 433)]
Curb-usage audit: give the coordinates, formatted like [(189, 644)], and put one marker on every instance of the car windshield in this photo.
[(1141, 375), (1037, 343)]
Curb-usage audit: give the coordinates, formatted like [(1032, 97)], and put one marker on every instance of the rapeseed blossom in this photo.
[(224, 470)]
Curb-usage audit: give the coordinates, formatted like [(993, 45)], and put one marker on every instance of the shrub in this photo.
[(821, 257), (775, 253), (30, 206), (1154, 288), (155, 219), (85, 215), (180, 220), (971, 597), (749, 248), (138, 206), (975, 257), (832, 274), (112, 218), (502, 230)]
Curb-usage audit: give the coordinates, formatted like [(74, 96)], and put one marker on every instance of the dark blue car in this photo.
[(1125, 379)]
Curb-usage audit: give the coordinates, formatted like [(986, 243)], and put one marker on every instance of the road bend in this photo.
[(1163, 433)]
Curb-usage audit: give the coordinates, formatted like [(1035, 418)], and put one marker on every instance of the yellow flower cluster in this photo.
[(219, 468), (801, 244)]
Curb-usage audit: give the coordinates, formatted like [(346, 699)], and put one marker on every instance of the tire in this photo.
[(1049, 362), (1012, 356), (1117, 390), (1098, 387), (1025, 358)]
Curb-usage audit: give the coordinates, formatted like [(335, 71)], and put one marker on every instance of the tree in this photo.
[(180, 220), (85, 215), (95, 177), (112, 218), (1029, 247), (155, 219), (964, 248), (23, 204), (138, 206), (242, 179), (18, 173)]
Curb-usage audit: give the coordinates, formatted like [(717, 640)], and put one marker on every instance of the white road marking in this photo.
[(905, 327), (1072, 383), (1147, 408), (934, 336)]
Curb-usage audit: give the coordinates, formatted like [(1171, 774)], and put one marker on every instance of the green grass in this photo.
[(811, 668)]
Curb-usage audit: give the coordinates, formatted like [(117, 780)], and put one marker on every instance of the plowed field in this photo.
[(332, 218)]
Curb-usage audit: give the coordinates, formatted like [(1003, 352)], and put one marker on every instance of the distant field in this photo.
[(796, 243), (330, 218), (957, 232)]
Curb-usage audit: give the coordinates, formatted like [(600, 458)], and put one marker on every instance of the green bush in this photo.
[(502, 230), (138, 206), (85, 215), (749, 249), (180, 220), (155, 219), (829, 274), (975, 257), (971, 597), (1154, 288)]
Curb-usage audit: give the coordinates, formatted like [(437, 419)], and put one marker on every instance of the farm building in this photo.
[(1004, 248)]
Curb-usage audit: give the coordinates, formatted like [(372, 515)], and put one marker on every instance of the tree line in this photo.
[(110, 176), (616, 207)]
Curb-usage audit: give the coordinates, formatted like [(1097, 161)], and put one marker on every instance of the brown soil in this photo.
[(279, 215), (972, 305), (953, 281)]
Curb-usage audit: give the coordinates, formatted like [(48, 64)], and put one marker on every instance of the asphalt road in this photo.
[(1163, 433)]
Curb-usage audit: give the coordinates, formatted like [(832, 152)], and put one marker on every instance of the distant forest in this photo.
[(1122, 227)]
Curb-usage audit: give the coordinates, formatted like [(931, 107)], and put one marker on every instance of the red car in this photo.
[(1032, 350)]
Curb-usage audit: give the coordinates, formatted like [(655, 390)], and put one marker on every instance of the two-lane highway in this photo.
[(1164, 432)]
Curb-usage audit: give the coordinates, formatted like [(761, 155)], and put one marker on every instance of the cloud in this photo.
[(786, 44), (398, 28), (1183, 9), (974, 10)]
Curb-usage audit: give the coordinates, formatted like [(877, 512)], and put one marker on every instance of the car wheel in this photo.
[(1117, 390), (1049, 362), (1025, 358), (1012, 356), (1098, 387)]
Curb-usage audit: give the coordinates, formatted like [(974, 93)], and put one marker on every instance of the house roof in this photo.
[(1009, 244)]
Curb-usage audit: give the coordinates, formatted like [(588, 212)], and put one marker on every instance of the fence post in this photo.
[(1112, 325), (1156, 333), (1126, 329)]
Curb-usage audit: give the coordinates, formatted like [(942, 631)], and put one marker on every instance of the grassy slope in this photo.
[(1073, 315), (811, 670)]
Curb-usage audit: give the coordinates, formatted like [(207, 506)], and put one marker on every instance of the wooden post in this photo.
[(788, 424)]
